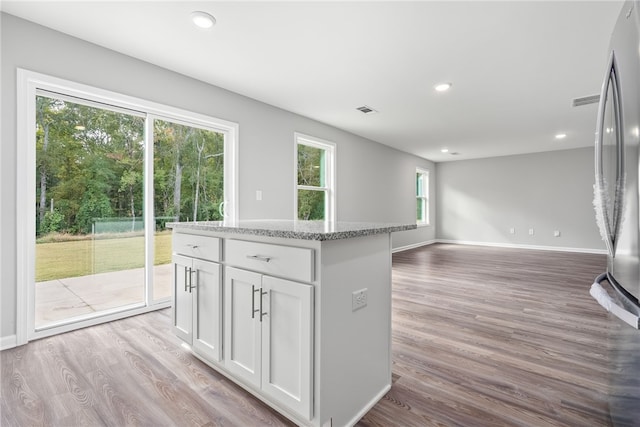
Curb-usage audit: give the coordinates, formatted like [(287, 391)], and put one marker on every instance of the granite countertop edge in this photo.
[(287, 229)]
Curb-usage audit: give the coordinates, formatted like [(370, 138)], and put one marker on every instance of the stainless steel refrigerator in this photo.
[(617, 203)]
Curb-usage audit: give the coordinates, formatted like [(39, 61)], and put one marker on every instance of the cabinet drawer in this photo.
[(202, 247), (276, 260)]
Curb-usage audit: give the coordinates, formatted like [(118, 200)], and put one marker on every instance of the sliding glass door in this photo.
[(104, 173), (188, 186), (90, 242)]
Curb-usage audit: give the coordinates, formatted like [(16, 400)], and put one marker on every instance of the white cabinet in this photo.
[(182, 307), (283, 308), (268, 336), (197, 302), (243, 332)]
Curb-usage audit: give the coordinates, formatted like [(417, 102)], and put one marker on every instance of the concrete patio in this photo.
[(61, 299)]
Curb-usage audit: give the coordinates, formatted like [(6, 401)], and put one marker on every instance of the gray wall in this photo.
[(374, 182), (480, 200)]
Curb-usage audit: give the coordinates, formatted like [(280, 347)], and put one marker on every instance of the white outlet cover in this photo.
[(359, 299)]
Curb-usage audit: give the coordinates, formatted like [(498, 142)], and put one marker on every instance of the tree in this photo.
[(53, 125), (189, 161), (199, 142), (311, 203), (91, 161), (43, 118)]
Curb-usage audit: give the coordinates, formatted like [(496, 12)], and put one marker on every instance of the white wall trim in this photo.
[(25, 228), (8, 342), (519, 246), (413, 246), (500, 245)]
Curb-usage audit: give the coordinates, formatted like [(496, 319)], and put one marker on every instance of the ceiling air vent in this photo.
[(585, 100), (366, 110)]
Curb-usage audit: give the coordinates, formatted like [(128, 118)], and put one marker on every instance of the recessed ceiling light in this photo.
[(202, 19), (441, 87), (561, 136), (444, 150)]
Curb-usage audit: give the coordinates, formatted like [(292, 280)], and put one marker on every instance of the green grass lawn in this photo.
[(57, 260)]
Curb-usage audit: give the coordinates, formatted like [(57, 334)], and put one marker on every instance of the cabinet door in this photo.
[(207, 310), (182, 307), (242, 339), (287, 344)]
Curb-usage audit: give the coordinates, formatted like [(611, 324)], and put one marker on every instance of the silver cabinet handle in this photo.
[(188, 281), (193, 246), (253, 301), (191, 285), (259, 258), (261, 312)]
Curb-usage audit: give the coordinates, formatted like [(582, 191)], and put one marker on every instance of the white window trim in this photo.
[(330, 173), (28, 84), (425, 186)]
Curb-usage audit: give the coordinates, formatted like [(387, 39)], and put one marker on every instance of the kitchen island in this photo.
[(296, 312)]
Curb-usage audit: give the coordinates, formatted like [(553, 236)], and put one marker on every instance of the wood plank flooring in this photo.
[(491, 336), (481, 337)]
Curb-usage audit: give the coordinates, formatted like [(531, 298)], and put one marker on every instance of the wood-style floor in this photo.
[(481, 337), (491, 337)]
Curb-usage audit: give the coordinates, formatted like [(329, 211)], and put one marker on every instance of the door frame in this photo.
[(28, 83)]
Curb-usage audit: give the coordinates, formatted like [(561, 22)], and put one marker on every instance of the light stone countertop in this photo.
[(294, 229)]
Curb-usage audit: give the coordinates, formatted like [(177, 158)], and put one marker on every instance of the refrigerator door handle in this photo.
[(603, 298), (609, 206)]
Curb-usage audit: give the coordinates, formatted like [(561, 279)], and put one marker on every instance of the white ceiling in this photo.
[(515, 66)]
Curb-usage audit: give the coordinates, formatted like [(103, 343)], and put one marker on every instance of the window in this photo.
[(422, 196), (315, 178), (104, 173)]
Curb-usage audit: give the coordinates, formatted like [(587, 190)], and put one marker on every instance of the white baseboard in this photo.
[(8, 342), (520, 246), (413, 246)]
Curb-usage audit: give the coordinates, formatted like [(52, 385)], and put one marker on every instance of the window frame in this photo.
[(329, 173), (30, 84), (422, 174)]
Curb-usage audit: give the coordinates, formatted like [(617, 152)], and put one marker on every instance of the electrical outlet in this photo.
[(531, 232), (556, 233), (512, 230), (359, 299), (258, 195)]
